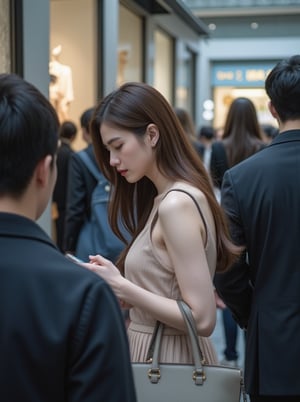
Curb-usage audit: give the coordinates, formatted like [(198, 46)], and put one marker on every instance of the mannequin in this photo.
[(61, 85)]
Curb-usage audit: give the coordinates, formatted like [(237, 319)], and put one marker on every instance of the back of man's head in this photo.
[(67, 130), (28, 133), (85, 118), (283, 88), (206, 132)]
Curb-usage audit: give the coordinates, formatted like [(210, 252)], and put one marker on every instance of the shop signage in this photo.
[(240, 75)]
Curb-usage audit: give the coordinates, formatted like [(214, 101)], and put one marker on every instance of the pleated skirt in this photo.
[(175, 345)]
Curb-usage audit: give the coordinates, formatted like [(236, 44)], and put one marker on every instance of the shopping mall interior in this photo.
[(200, 54)]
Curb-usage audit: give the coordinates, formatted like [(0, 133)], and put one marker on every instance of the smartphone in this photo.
[(74, 258)]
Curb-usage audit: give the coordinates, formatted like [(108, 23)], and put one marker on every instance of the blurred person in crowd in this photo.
[(87, 212), (270, 132), (67, 134), (80, 187), (188, 125), (206, 137)]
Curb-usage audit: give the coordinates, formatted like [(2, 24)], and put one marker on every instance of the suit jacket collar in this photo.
[(13, 225), (286, 136)]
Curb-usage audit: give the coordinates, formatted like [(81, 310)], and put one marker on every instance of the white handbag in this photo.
[(164, 382)]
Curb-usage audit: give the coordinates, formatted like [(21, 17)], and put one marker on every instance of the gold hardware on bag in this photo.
[(154, 372), (197, 375)]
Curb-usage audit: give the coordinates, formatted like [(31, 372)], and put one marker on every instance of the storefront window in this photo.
[(186, 79), (163, 64), (73, 59), (233, 80), (130, 47)]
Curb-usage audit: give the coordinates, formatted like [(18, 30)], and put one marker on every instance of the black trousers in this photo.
[(255, 398)]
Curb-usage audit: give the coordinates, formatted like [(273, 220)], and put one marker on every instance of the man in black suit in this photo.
[(67, 134), (261, 197), (81, 184), (62, 335)]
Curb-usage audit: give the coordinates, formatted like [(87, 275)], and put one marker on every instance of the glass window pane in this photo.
[(163, 64), (186, 80), (130, 47)]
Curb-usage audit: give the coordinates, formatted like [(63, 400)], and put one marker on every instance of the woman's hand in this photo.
[(107, 270)]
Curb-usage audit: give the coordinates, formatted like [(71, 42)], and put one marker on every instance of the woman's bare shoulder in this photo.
[(180, 197)]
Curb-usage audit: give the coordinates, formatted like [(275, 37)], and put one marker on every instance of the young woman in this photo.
[(242, 137), (158, 183)]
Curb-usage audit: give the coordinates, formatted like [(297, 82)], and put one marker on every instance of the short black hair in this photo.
[(67, 130), (206, 132), (28, 132), (269, 130), (86, 117), (283, 88)]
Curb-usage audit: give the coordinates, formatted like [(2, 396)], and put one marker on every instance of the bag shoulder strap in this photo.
[(198, 207), (192, 330), (154, 371), (190, 324), (83, 155)]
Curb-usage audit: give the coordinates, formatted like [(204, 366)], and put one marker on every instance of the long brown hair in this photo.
[(242, 135), (132, 107)]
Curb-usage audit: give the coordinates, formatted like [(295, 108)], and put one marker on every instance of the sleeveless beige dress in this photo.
[(144, 267)]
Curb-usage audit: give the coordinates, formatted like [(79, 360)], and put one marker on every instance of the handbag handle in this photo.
[(198, 373)]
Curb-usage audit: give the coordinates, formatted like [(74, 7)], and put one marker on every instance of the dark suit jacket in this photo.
[(62, 335), (261, 197), (64, 154), (81, 184), (60, 190)]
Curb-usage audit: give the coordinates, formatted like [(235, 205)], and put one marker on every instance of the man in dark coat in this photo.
[(81, 184), (67, 134), (62, 334), (261, 197)]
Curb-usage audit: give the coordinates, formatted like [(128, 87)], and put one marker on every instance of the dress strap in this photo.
[(197, 205)]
